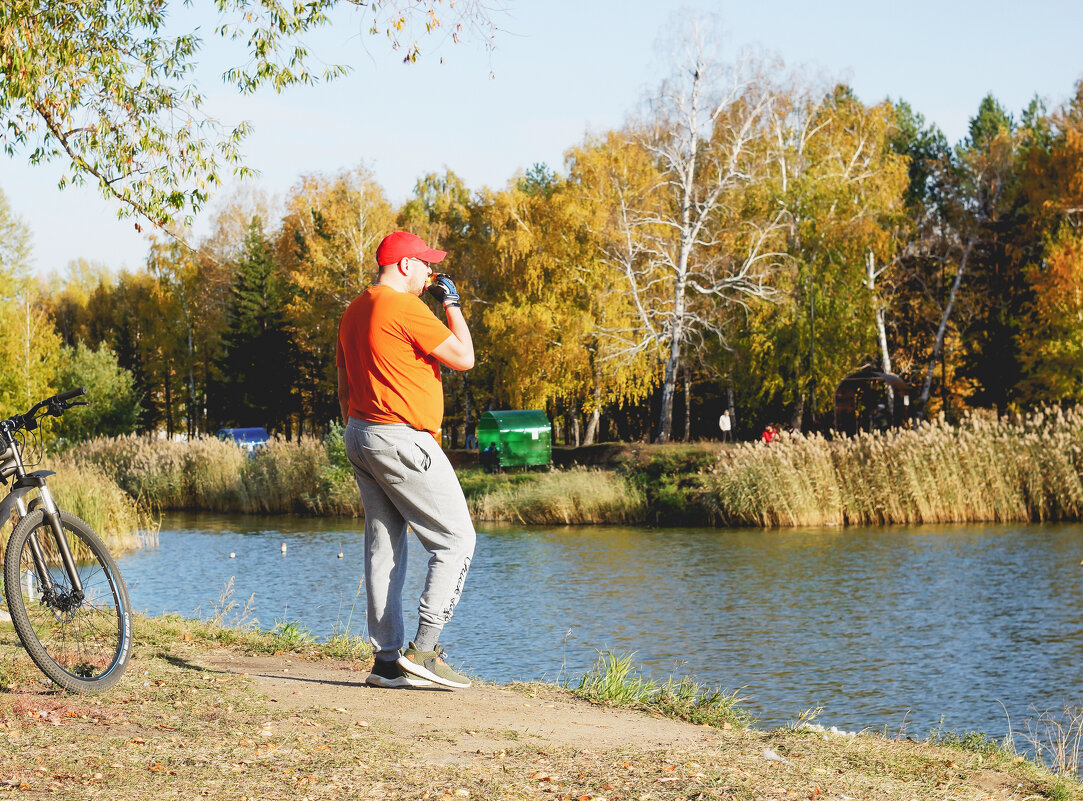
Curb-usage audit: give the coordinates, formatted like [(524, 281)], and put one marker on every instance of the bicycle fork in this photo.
[(52, 515)]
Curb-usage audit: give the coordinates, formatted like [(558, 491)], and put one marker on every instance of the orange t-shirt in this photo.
[(385, 340)]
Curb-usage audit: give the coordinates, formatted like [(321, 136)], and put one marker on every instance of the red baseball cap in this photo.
[(401, 245)]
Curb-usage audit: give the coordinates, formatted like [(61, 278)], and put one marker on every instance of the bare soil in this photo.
[(483, 717)]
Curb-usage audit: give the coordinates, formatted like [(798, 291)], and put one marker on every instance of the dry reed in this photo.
[(1056, 740), (565, 497), (88, 494), (984, 469), (213, 475)]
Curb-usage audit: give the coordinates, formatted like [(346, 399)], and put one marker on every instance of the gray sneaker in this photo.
[(430, 665), (387, 673)]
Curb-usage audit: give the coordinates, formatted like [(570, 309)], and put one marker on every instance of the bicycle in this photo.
[(63, 589)]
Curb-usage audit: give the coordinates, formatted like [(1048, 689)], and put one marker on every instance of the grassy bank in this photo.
[(562, 497), (183, 724), (312, 476), (980, 470), (303, 476)]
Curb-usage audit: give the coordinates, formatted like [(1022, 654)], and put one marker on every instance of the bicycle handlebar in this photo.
[(71, 393), (55, 405)]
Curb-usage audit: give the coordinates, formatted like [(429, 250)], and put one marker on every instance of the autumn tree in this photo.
[(1050, 338), (610, 179), (190, 302), (840, 185), (109, 89), (15, 250), (29, 345), (691, 243), (924, 242), (977, 192), (443, 211), (67, 298), (326, 246)]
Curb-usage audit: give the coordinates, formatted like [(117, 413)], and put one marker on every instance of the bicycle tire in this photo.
[(83, 647)]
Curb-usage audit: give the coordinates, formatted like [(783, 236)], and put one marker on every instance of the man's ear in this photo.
[(403, 266)]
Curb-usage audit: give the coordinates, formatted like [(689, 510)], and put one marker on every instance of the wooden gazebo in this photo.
[(894, 411)]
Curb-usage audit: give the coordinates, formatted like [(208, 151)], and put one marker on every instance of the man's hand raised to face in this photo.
[(443, 289)]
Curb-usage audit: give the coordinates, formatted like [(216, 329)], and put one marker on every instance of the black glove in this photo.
[(443, 289)]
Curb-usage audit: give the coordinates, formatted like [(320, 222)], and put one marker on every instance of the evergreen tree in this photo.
[(997, 290), (255, 365)]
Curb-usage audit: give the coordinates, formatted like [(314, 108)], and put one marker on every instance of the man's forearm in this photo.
[(456, 323)]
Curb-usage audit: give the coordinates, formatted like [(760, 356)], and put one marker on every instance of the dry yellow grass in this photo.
[(564, 497), (981, 470), (209, 474)]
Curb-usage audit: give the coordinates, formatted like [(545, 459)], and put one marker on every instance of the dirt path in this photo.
[(453, 726), (185, 724)]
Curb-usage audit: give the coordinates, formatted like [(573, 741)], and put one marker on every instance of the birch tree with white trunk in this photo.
[(687, 247)]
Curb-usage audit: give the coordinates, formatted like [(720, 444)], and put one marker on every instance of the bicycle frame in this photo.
[(21, 484)]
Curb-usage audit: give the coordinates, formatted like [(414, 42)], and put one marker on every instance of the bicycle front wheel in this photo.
[(81, 639)]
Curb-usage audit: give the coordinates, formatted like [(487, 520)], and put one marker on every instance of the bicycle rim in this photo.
[(82, 644)]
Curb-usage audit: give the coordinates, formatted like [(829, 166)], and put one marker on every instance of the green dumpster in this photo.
[(515, 438)]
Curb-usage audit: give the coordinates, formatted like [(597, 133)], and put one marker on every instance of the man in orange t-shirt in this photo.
[(390, 348)]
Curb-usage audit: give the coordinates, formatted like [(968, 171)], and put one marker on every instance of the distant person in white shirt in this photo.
[(726, 424)]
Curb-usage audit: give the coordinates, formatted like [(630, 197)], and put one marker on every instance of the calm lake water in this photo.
[(890, 628)]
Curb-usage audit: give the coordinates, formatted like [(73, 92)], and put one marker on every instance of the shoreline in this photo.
[(218, 713)]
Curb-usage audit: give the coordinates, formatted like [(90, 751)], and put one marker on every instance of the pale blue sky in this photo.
[(562, 69)]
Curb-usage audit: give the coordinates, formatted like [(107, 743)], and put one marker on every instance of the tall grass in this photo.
[(984, 469), (565, 497), (1057, 740), (213, 475), (981, 470), (121, 523), (109, 510)]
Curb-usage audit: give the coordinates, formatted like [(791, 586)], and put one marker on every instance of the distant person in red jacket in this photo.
[(769, 435)]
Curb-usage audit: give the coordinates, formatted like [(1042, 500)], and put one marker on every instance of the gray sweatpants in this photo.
[(405, 478)]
